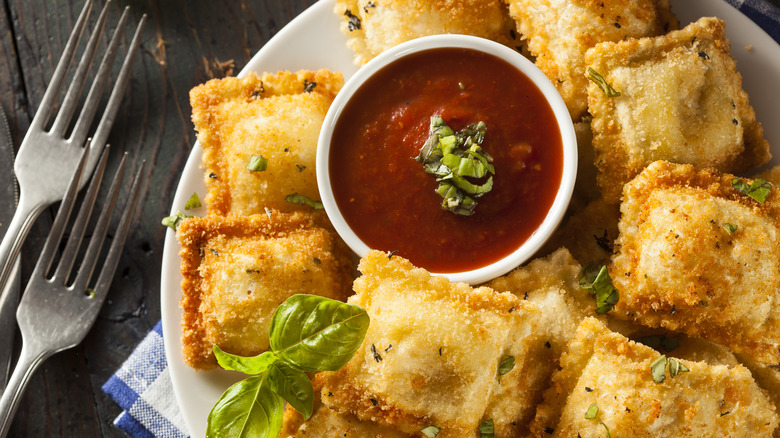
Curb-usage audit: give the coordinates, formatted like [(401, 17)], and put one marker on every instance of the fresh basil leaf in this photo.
[(505, 365), (592, 411), (594, 76), (759, 190), (675, 367), (257, 163), (297, 198), (247, 409), (658, 369), (292, 385), (247, 365), (314, 333), (431, 431), (193, 202), (174, 221), (595, 278), (730, 228), (486, 429)]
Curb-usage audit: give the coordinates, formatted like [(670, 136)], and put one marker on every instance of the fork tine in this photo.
[(77, 83), (101, 134), (122, 230), (58, 226), (78, 228), (46, 105), (96, 90), (98, 235)]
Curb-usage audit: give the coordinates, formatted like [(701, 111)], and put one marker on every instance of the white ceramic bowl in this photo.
[(568, 139)]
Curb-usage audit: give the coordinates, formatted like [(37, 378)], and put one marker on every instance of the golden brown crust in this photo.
[(679, 267), (373, 26), (681, 101), (277, 116), (605, 368), (431, 354), (237, 269), (559, 32)]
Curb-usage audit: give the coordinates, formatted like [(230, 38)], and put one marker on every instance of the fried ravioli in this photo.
[(559, 32), (238, 269), (681, 100), (373, 26), (432, 353), (605, 369), (696, 256), (276, 116)]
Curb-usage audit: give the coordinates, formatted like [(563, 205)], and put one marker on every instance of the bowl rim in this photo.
[(566, 127)]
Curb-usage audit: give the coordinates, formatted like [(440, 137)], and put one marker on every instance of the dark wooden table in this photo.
[(185, 43)]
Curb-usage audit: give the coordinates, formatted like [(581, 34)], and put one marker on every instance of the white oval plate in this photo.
[(313, 41)]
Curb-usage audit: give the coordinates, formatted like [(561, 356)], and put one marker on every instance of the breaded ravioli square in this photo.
[(681, 100), (432, 352), (274, 116), (373, 26), (237, 269), (609, 377), (697, 256), (559, 32)]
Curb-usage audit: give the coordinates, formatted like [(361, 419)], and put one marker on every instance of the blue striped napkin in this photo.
[(142, 386)]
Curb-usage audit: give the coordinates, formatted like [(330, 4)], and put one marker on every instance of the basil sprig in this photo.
[(595, 278), (452, 157), (758, 190), (308, 333)]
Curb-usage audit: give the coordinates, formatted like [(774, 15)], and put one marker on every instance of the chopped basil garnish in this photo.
[(506, 365), (308, 333), (595, 279), (431, 431), (592, 411), (730, 228), (609, 435), (297, 198), (486, 429), (257, 163), (454, 156), (173, 222), (759, 190), (658, 369), (675, 367), (594, 76), (193, 202)]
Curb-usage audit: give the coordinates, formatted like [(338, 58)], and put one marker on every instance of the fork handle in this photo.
[(29, 361), (24, 217)]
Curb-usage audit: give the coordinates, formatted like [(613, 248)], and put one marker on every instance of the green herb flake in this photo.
[(609, 435), (730, 228), (453, 157), (595, 279), (675, 367), (90, 293), (592, 411), (658, 369), (257, 163), (594, 76), (174, 221), (193, 202), (431, 431), (486, 429), (297, 198), (506, 365), (759, 190)]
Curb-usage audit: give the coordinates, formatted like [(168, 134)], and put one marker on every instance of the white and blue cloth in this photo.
[(142, 386)]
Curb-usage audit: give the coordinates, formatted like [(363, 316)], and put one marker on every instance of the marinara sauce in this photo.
[(389, 200)]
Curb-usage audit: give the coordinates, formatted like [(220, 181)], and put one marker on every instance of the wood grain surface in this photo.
[(185, 43)]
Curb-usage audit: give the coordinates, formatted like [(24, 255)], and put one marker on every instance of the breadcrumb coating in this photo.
[(277, 116)]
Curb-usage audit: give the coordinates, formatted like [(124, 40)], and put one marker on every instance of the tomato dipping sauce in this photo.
[(391, 202)]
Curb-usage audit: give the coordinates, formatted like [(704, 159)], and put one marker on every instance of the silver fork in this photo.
[(47, 158), (55, 312)]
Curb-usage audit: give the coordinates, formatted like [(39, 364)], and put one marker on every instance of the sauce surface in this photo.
[(389, 200)]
